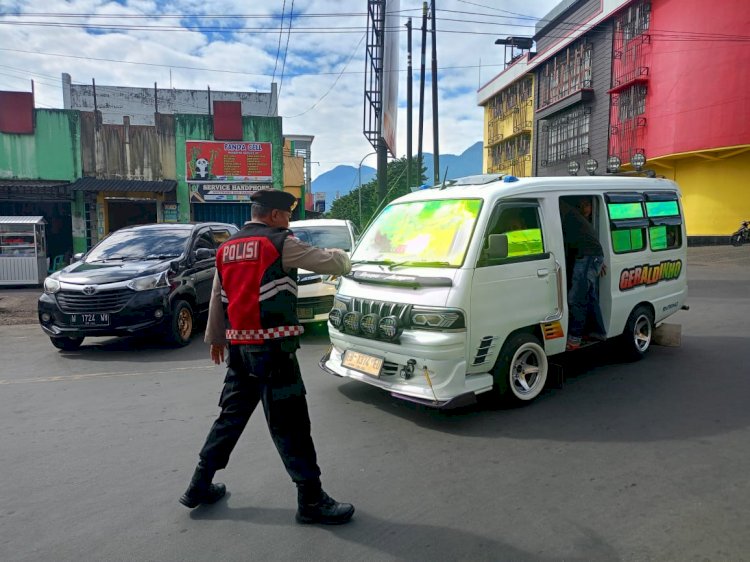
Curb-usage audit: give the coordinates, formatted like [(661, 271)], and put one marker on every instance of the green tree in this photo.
[(347, 206)]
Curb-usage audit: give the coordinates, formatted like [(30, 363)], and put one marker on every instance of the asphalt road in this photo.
[(627, 461)]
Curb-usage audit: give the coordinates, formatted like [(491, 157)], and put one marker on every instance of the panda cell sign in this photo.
[(228, 161)]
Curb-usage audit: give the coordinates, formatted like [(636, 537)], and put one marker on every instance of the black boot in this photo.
[(201, 490), (315, 506)]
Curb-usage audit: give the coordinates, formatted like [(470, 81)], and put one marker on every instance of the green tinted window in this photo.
[(662, 209), (665, 237), (627, 240), (658, 236), (619, 211), (525, 242)]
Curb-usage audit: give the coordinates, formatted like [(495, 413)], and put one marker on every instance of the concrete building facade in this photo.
[(37, 170), (140, 104), (615, 78)]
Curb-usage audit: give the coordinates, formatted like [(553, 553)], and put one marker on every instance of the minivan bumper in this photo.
[(143, 310), (438, 378)]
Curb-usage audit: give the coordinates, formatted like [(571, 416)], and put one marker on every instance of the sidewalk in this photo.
[(18, 304)]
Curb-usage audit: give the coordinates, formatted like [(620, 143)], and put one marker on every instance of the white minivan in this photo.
[(460, 289)]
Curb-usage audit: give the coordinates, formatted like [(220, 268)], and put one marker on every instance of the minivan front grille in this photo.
[(104, 301), (381, 308)]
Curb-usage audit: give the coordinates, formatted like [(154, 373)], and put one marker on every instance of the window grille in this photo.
[(567, 73), (634, 21), (89, 214), (565, 135), (631, 102), (509, 154)]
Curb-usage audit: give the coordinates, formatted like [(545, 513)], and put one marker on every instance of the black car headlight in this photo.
[(149, 282), (424, 318), (51, 285)]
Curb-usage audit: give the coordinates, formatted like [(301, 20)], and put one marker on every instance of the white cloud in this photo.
[(313, 60)]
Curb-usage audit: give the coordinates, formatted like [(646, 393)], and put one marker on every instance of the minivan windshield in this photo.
[(325, 236), (141, 244), (427, 233)]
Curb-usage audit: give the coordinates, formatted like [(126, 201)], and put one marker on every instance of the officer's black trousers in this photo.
[(274, 378)]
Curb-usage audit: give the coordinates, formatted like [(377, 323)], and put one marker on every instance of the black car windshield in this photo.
[(325, 236), (139, 244)]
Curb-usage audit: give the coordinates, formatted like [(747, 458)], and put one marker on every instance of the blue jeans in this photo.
[(583, 297)]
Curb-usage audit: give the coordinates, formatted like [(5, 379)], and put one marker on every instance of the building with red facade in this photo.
[(664, 78)]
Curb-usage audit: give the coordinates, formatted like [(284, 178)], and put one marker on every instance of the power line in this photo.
[(665, 35), (286, 50), (278, 47), (334, 82)]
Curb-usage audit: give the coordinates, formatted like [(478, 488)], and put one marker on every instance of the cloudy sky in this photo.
[(316, 56)]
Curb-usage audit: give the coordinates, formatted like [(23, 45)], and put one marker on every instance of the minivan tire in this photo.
[(181, 324), (639, 333), (65, 343), (520, 371)]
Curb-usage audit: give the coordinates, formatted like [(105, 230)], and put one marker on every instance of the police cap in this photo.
[(274, 199)]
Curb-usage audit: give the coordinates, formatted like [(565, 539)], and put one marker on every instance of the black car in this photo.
[(149, 278)]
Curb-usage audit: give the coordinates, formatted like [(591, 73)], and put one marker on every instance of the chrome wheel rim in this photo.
[(642, 333), (528, 371)]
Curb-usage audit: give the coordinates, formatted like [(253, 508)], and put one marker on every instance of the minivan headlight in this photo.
[(149, 282), (51, 285), (437, 318)]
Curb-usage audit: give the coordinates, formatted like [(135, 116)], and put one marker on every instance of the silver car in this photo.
[(316, 291)]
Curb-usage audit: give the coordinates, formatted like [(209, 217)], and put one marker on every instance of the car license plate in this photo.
[(362, 362), (89, 319), (305, 313)]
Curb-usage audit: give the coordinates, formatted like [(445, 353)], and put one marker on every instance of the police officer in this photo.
[(253, 312)]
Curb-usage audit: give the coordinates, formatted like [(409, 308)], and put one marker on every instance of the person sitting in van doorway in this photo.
[(586, 259)]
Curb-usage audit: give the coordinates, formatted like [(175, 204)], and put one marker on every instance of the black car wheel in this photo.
[(66, 344), (181, 324)]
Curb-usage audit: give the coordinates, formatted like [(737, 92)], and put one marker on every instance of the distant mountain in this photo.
[(468, 163), (342, 179)]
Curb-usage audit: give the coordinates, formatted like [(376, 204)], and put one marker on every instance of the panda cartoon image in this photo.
[(202, 169)]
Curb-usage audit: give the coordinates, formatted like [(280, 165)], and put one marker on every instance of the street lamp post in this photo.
[(359, 190)]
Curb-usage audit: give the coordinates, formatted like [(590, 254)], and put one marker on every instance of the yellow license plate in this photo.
[(362, 362)]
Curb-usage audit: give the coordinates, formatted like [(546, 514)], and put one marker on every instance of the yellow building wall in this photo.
[(485, 127), (505, 127), (714, 189), (294, 171)]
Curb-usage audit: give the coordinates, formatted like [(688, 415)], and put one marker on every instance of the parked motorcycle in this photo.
[(742, 235)]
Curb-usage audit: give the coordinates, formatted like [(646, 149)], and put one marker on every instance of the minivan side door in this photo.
[(516, 291)]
